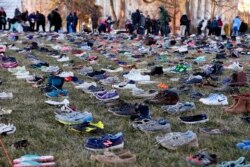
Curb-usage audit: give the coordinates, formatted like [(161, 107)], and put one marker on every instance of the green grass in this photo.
[(35, 122)]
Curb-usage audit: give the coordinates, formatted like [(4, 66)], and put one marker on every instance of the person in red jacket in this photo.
[(220, 25)]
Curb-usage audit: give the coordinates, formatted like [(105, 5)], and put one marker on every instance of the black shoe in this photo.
[(156, 71), (201, 118)]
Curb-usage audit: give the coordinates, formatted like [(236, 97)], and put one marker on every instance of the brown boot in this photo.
[(240, 107), (236, 99)]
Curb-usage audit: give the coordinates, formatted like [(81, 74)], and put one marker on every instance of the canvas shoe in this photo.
[(74, 118), (195, 119), (123, 157), (174, 140), (214, 99), (106, 142), (4, 95), (56, 103)]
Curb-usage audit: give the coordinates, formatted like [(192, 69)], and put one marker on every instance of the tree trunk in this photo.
[(113, 11), (212, 8), (121, 21), (187, 4)]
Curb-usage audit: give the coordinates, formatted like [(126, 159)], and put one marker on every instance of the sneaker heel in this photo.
[(194, 143)]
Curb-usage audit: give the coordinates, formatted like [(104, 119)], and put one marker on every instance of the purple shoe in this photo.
[(107, 95)]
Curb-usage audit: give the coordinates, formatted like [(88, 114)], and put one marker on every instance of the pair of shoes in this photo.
[(147, 125), (241, 104), (57, 93), (202, 158), (106, 142), (174, 140), (244, 145), (88, 127), (123, 157)]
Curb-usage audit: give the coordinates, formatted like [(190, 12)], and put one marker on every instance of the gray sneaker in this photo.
[(147, 125), (179, 108), (174, 140)]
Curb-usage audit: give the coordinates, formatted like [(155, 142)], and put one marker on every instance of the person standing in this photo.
[(220, 25), (209, 27), (183, 24), (57, 20), (50, 19), (40, 21), (75, 22), (214, 26), (199, 28), (142, 23), (94, 21), (135, 17), (148, 25), (70, 21), (32, 21), (3, 20), (236, 26), (155, 26), (164, 21)]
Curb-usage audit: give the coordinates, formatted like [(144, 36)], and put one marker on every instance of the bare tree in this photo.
[(113, 10), (121, 20)]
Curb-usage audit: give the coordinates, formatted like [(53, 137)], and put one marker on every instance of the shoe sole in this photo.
[(120, 146), (196, 122)]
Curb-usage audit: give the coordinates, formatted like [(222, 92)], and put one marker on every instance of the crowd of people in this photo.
[(138, 24)]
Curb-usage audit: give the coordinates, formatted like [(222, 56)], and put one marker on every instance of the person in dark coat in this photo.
[(148, 25), (40, 21), (135, 17), (199, 31), (75, 22), (70, 21), (183, 24), (50, 19), (164, 21), (57, 20), (94, 20), (32, 21), (142, 23), (3, 20)]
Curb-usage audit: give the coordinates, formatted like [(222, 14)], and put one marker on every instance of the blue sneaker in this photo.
[(74, 118), (57, 93), (244, 145), (106, 142)]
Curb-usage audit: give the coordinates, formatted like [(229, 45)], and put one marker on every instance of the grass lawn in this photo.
[(35, 120)]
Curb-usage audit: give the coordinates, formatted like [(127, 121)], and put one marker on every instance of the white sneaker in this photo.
[(5, 95), (27, 77), (66, 74), (56, 103), (85, 85), (50, 69), (135, 75), (125, 85), (113, 71), (143, 93), (63, 59), (215, 99), (235, 66), (7, 129)]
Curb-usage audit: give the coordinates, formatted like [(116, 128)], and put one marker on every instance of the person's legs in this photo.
[(43, 25), (1, 24), (37, 26)]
